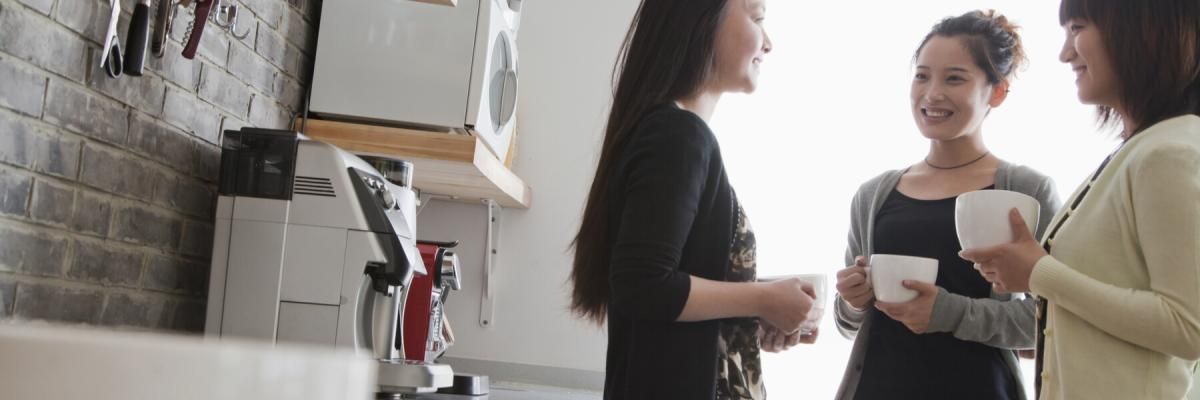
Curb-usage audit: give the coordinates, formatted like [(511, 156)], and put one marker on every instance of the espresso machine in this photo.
[(318, 246)]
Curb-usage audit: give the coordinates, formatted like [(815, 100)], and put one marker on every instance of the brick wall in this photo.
[(107, 186)]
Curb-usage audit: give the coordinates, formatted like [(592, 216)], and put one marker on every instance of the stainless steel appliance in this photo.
[(316, 245)]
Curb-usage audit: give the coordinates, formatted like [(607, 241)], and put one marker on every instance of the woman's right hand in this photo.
[(786, 303), (853, 285)]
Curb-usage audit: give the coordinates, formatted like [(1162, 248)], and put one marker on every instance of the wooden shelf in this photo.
[(459, 166)]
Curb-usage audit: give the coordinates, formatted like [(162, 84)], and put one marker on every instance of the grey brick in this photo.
[(25, 145), (116, 173), (225, 91), (232, 124), (164, 188), (24, 90), (144, 93), (54, 303), (173, 67), (139, 225), (206, 163), (87, 17), (188, 316), (57, 155), (289, 92), (16, 140), (93, 214), (8, 294), (265, 113), (195, 198), (299, 32), (160, 142), (271, 46), (197, 240), (176, 275), (76, 110), (270, 11), (249, 67), (52, 203), (32, 253), (42, 6), (102, 262), (310, 8), (296, 63), (164, 319), (28, 36), (14, 192), (185, 112), (132, 310)]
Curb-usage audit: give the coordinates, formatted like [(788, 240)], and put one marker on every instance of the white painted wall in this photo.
[(566, 54)]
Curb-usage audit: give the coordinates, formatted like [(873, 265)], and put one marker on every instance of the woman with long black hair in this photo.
[(664, 253)]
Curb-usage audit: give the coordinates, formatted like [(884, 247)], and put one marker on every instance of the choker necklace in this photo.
[(985, 154)]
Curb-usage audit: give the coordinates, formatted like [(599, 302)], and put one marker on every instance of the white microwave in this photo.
[(416, 64)]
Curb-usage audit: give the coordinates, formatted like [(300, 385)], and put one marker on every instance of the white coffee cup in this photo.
[(981, 217), (819, 285), (887, 271)]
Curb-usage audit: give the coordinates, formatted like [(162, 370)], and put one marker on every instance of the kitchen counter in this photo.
[(515, 391)]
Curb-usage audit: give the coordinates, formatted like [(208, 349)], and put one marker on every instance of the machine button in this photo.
[(389, 201)]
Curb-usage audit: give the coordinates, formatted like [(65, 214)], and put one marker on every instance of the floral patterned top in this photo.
[(739, 367)]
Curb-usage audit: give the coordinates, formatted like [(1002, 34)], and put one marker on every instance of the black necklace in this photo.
[(985, 154)]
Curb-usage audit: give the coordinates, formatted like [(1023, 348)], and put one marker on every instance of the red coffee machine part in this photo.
[(418, 308), (423, 311)]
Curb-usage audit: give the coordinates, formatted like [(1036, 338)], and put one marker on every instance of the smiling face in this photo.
[(950, 94), (741, 43), (1084, 51)]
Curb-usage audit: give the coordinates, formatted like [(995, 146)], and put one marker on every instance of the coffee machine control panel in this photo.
[(382, 193)]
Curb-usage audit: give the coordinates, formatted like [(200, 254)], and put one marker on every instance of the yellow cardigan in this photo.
[(1123, 278)]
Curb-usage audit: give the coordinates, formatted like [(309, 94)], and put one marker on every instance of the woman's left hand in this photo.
[(774, 340), (1008, 266), (916, 313)]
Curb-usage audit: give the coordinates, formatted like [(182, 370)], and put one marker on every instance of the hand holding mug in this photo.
[(1009, 266), (854, 286), (786, 303)]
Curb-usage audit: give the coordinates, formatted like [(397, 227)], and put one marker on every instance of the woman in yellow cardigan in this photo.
[(1118, 273)]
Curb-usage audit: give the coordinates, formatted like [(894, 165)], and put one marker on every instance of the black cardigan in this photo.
[(672, 216)]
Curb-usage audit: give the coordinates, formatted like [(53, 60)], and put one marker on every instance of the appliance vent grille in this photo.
[(313, 186)]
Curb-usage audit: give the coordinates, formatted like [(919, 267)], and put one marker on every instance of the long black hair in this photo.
[(667, 54)]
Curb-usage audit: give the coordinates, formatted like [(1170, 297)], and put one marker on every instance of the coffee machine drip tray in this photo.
[(408, 377)]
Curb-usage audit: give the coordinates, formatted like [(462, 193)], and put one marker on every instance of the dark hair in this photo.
[(1154, 49), (667, 54), (992, 40)]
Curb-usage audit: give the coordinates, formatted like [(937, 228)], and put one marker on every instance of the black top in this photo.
[(672, 215), (900, 364)]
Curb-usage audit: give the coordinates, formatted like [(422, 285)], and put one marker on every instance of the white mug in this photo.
[(887, 271), (819, 285), (981, 217)]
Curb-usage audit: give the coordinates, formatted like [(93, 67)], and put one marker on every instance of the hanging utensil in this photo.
[(196, 31), (137, 39), (110, 56), (163, 17)]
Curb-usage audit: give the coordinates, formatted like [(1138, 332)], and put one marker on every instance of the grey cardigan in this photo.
[(1005, 321)]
